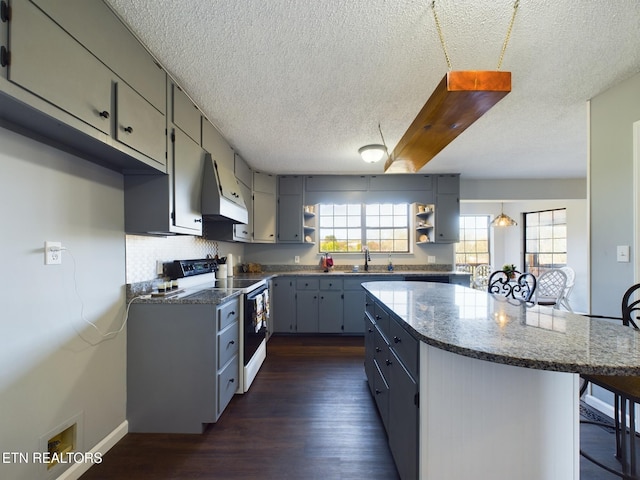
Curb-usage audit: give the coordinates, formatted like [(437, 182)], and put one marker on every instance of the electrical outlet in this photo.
[(296, 259), (159, 267), (431, 259), (52, 253)]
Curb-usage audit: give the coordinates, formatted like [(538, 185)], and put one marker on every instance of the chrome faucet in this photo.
[(367, 258)]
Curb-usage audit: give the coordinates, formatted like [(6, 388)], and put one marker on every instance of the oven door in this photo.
[(255, 321)]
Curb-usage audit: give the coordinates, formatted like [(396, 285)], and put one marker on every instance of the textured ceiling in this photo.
[(297, 86)]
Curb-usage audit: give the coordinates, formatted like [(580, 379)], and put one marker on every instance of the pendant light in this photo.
[(503, 220), (458, 101)]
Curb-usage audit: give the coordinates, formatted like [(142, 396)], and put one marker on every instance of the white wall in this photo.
[(612, 115), (53, 367)]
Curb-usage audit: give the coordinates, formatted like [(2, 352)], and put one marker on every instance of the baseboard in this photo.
[(77, 469), (605, 408)]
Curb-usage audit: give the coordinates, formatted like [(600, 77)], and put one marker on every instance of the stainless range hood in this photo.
[(221, 197)]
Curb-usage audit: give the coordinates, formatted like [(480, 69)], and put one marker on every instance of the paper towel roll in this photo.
[(229, 265)]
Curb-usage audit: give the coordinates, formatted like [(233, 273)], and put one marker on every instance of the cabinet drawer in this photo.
[(227, 384), (227, 344), (307, 284), (406, 347), (228, 313), (381, 351), (382, 319), (331, 284), (381, 395), (370, 306)]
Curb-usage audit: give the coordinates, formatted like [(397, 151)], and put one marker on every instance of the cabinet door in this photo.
[(242, 171), (353, 311), (264, 217), (264, 182), (93, 24), (185, 114), (330, 312), (283, 305), (214, 143), (290, 185), (49, 63), (448, 184), (188, 165), (290, 219), (139, 125), (307, 312), (447, 218), (242, 231), (403, 419)]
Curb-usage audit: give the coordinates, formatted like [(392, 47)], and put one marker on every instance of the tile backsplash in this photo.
[(143, 253)]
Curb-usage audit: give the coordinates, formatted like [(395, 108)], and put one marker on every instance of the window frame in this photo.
[(462, 239), (537, 268), (364, 239)]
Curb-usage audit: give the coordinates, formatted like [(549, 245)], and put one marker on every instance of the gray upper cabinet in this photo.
[(138, 124), (188, 165), (244, 175), (60, 86), (264, 208), (50, 64), (168, 204), (401, 182), (335, 183), (94, 25), (447, 214), (290, 209), (214, 143), (186, 115)]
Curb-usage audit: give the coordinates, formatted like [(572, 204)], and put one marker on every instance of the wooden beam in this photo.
[(459, 100)]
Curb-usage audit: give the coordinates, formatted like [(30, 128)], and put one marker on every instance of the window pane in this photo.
[(545, 240), (386, 227), (473, 247)]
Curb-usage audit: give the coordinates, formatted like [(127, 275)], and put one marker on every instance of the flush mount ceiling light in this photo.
[(503, 220), (373, 153), (459, 100)]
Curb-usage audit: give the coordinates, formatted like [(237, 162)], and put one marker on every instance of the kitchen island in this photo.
[(497, 382)]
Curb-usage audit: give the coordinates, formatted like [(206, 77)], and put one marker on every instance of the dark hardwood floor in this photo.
[(308, 415)]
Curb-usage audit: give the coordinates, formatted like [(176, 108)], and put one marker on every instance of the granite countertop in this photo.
[(476, 324), (206, 293)]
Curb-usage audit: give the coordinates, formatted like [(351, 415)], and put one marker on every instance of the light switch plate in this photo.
[(622, 254)]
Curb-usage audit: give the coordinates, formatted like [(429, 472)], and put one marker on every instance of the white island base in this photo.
[(492, 421)]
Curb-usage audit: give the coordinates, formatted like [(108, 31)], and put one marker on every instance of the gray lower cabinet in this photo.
[(321, 303), (392, 369), (330, 306), (182, 365), (283, 304), (307, 298)]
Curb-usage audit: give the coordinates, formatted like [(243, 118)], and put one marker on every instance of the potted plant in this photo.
[(510, 269)]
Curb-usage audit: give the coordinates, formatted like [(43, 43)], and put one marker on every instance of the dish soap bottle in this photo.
[(390, 265)]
